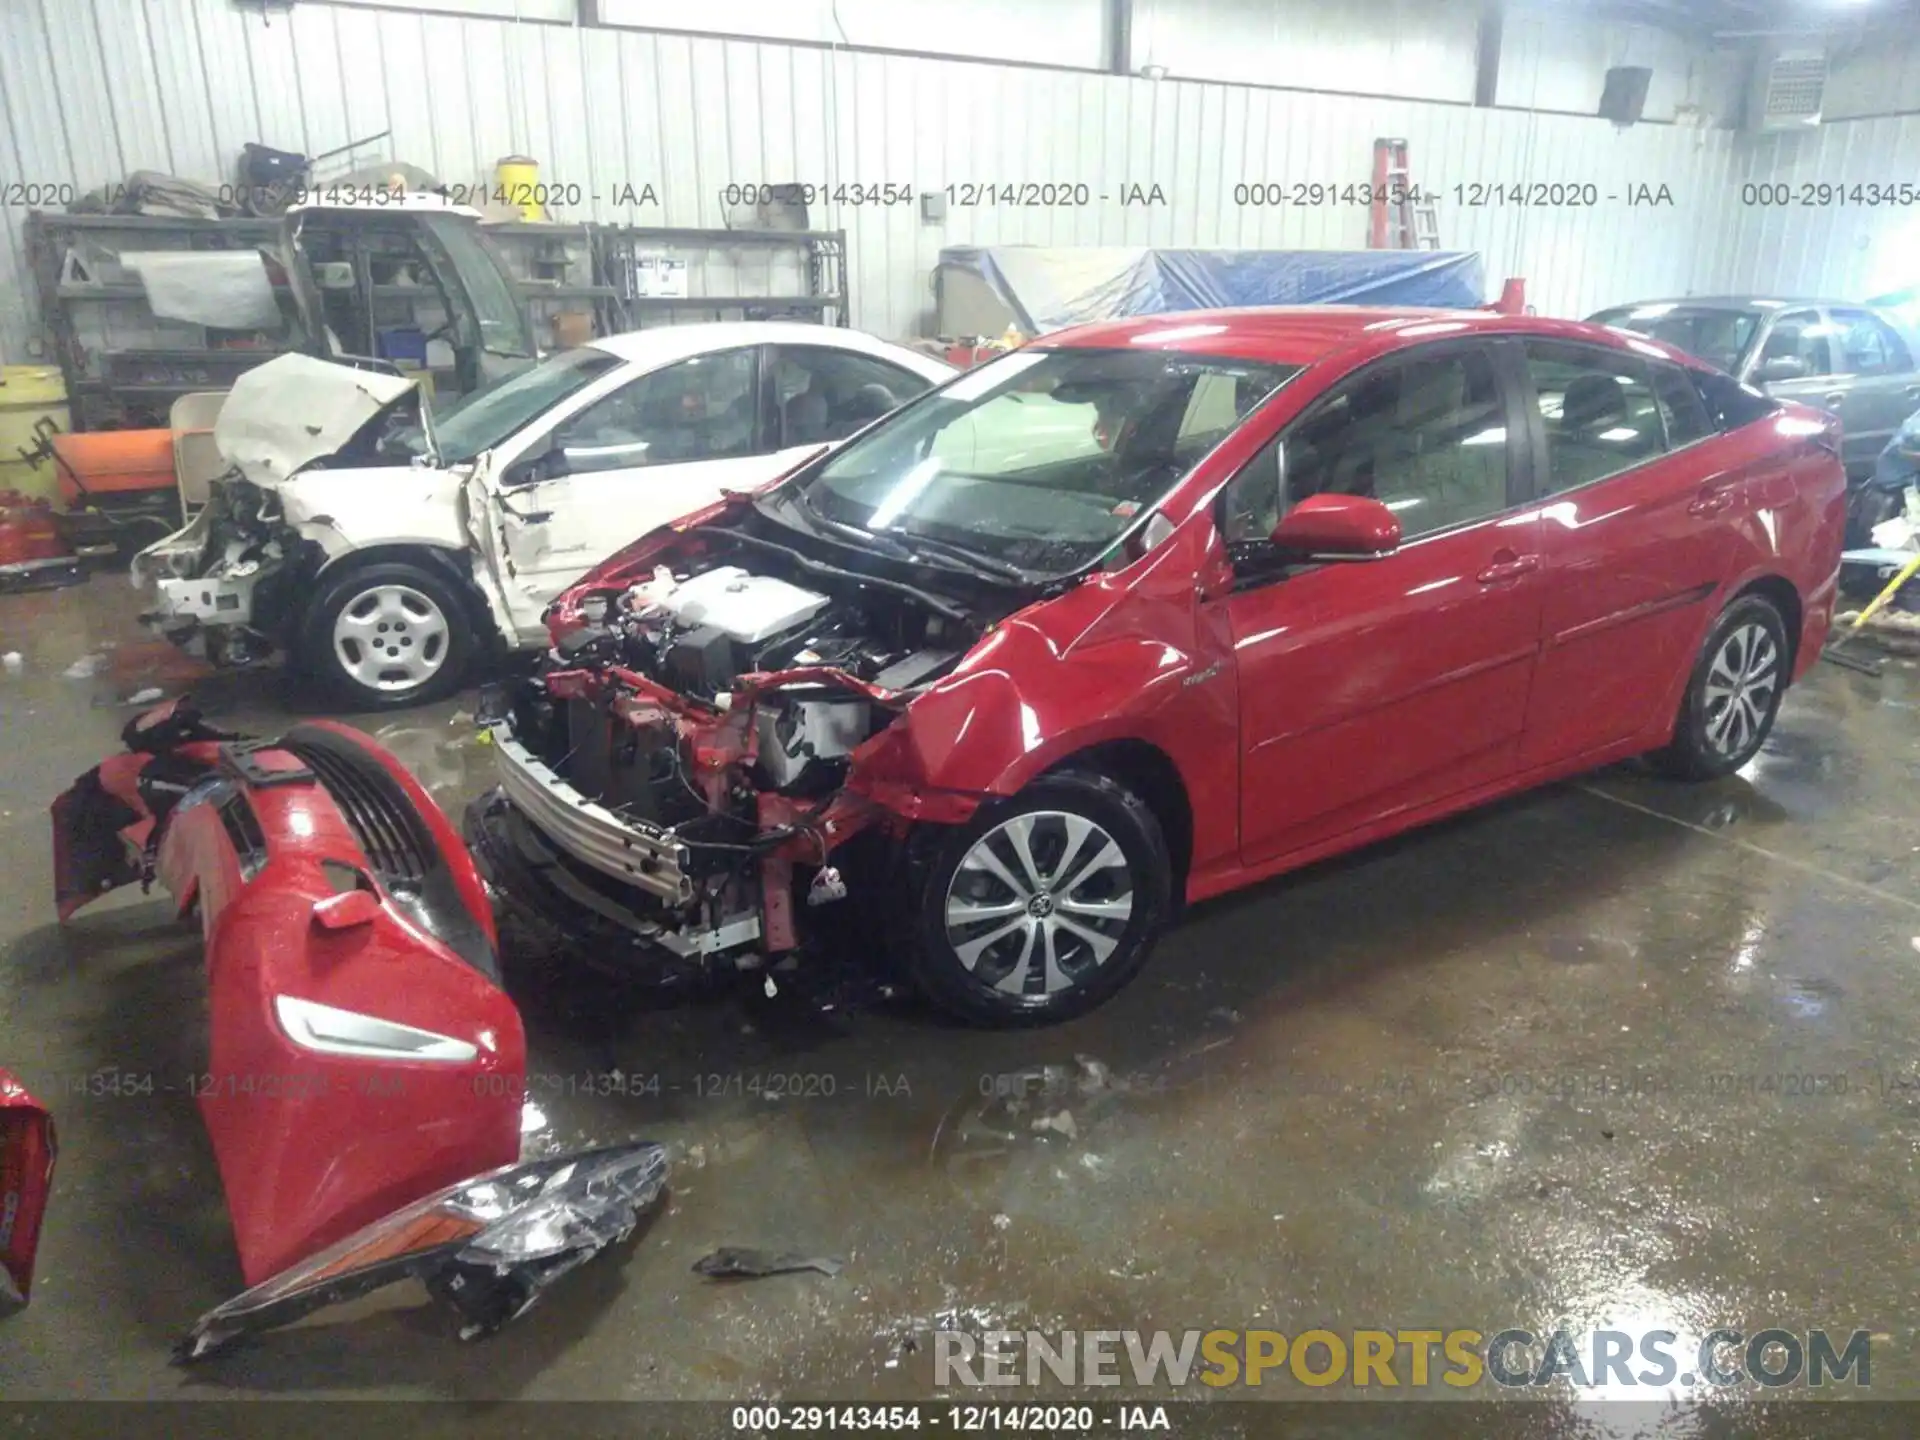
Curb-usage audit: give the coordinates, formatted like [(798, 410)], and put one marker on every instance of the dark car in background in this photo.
[(1851, 360)]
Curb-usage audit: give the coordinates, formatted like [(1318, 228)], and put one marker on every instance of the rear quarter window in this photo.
[(1729, 403), (1681, 406)]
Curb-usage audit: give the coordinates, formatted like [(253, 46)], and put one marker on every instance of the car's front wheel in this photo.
[(387, 635), (1733, 694), (1042, 906)]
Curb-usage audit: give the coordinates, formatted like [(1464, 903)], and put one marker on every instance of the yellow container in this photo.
[(31, 398), (519, 182)]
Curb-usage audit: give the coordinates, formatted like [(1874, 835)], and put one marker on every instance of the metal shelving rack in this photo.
[(803, 273), (120, 364)]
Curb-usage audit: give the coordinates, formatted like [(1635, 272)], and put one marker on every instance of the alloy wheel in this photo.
[(1039, 903), (1741, 684)]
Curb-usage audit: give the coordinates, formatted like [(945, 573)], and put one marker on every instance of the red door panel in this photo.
[(1372, 687), (1631, 566)]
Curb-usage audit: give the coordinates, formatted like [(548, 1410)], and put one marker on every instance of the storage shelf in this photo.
[(734, 302)]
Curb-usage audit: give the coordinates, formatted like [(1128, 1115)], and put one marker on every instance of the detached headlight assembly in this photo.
[(488, 1246)]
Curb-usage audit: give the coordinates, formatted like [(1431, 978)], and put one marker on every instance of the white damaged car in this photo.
[(380, 550)]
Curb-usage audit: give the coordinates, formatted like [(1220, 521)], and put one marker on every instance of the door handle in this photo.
[(1508, 566), (1836, 399), (1913, 392), (1713, 500), (525, 517)]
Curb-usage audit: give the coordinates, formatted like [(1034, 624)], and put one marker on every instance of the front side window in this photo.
[(1868, 345), (1598, 411), (821, 394), (699, 409), (1427, 437), (1043, 459), (1717, 335), (1798, 346)]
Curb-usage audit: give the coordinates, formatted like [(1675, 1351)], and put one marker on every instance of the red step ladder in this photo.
[(1403, 218)]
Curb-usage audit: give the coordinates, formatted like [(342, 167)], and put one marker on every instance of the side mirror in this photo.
[(1782, 367), (1337, 527)]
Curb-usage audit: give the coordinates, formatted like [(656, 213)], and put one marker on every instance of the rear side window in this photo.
[(1868, 345), (1680, 406), (1729, 403), (1598, 410)]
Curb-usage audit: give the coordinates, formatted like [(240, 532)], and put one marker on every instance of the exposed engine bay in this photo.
[(679, 767), (225, 580), (229, 583)]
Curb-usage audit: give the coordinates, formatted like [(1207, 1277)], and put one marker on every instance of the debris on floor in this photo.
[(145, 696), (13, 662), (740, 1262), (85, 668), (1060, 1123), (487, 1247)]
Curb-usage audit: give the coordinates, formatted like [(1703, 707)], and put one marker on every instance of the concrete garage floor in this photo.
[(1466, 1079)]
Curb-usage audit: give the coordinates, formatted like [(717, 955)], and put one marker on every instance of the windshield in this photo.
[(1719, 337), (1043, 459), (496, 304), (489, 415)]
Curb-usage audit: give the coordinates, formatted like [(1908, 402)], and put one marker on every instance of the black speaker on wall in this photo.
[(1626, 93)]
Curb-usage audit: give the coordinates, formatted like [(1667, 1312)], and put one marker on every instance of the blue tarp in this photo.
[(1047, 287)]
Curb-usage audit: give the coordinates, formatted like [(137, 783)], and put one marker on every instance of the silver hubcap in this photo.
[(1740, 688), (391, 637), (1039, 903)]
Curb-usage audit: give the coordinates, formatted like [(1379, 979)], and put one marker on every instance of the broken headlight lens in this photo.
[(487, 1246)]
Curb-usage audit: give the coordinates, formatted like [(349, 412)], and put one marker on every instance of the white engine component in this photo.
[(793, 733), (747, 608)]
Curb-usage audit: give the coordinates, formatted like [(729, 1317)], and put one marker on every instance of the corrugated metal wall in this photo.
[(1874, 79), (1809, 229), (1423, 49), (96, 88)]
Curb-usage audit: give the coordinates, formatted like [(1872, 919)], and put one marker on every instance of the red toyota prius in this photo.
[(1150, 610)]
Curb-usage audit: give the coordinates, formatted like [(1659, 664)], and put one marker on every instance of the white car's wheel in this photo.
[(388, 635)]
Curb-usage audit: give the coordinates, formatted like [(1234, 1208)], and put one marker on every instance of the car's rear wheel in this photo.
[(387, 635), (1733, 694), (1042, 906)]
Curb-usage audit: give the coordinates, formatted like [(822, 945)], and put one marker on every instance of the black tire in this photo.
[(449, 644), (1711, 737), (1141, 881)]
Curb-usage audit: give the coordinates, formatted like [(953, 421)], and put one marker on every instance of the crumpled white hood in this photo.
[(294, 410)]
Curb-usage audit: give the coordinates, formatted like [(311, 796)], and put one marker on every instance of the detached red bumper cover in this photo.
[(361, 1053), (26, 1178)]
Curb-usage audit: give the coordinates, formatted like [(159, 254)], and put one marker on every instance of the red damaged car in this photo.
[(364, 1072), (1148, 611)]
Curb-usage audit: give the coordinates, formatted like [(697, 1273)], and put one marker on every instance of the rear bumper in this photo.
[(1816, 623)]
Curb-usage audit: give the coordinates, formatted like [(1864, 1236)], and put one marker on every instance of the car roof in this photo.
[(666, 343), (1740, 302), (1305, 334)]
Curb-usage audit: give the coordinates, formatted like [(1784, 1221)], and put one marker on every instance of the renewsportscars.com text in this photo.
[(1608, 1361)]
